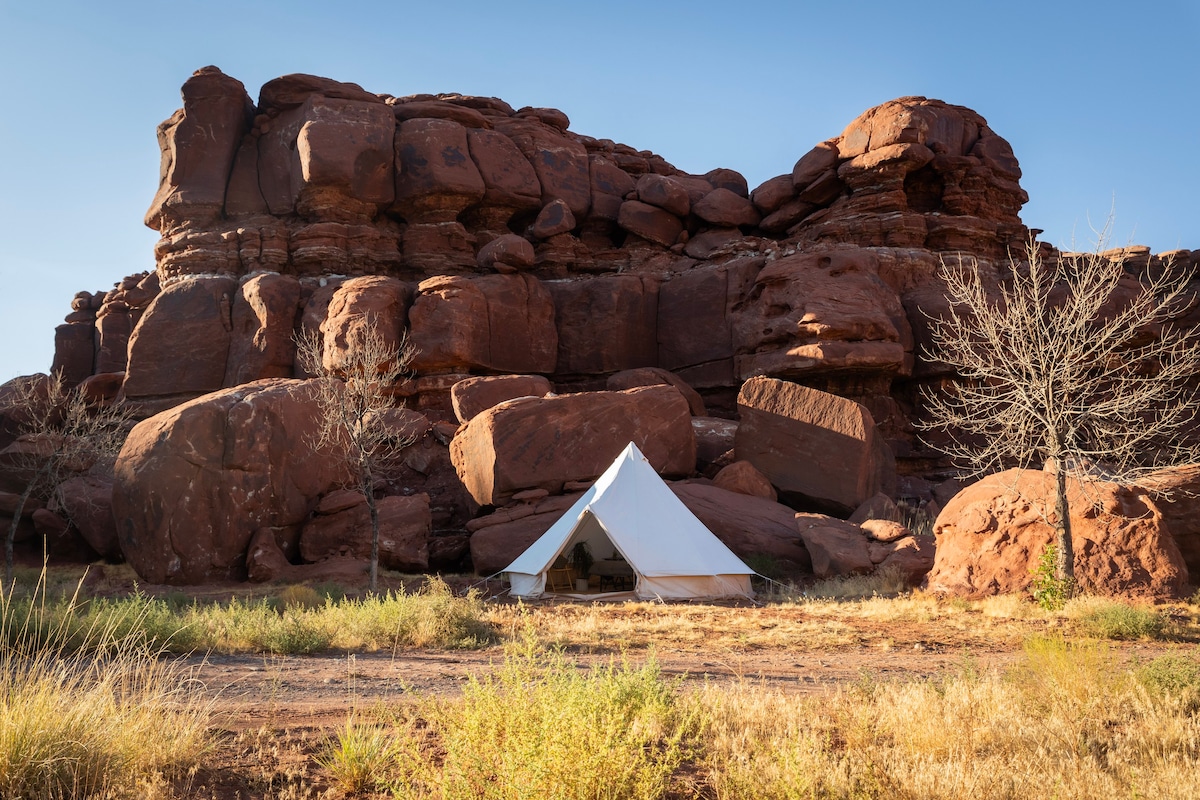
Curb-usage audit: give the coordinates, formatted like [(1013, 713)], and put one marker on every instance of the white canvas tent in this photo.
[(630, 513)]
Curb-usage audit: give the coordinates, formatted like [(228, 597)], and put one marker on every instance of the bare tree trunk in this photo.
[(1065, 567), (373, 582)]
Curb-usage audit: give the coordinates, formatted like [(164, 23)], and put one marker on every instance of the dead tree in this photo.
[(61, 434), (354, 391), (1069, 364)]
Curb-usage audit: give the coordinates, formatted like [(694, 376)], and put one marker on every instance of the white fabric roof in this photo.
[(630, 510)]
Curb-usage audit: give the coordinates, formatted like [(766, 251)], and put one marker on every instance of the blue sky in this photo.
[(1100, 100)]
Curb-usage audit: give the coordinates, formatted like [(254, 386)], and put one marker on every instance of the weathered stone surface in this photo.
[(728, 179), (1176, 492), (87, 503), (837, 548), (511, 251), (501, 323), (742, 477), (542, 443), (508, 177), (266, 561), (812, 445), (494, 546), (74, 352), (991, 534), (912, 556), (883, 530), (475, 395), (650, 222), (749, 526), (360, 305), (654, 376), (198, 143), (437, 178), (347, 159), (665, 193), (559, 161), (695, 318), (770, 196), (101, 388), (610, 184), (114, 325), (192, 484), (723, 207), (553, 219), (263, 321), (404, 527), (605, 324), (61, 539), (819, 313), (181, 344), (878, 507)]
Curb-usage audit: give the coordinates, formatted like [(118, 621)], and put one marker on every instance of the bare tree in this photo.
[(61, 434), (354, 392), (1069, 364)]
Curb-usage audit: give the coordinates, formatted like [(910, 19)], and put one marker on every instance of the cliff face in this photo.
[(503, 243), (521, 246)]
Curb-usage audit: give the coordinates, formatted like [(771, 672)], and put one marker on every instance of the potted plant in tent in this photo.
[(581, 561)]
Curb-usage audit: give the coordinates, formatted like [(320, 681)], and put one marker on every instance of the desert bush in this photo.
[(1112, 620), (542, 727), (880, 583), (88, 705), (363, 757)]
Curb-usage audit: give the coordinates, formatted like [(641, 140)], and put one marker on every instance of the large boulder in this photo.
[(501, 323), (404, 527), (498, 538), (749, 526), (471, 396), (263, 319), (655, 376), (543, 443), (375, 304), (991, 535), (815, 447), (87, 502), (1176, 491), (194, 483), (181, 344)]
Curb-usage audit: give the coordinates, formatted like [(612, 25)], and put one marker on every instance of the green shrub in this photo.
[(1121, 621), (1048, 590), (1171, 675)]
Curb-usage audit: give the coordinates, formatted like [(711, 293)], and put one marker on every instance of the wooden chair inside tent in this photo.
[(558, 577)]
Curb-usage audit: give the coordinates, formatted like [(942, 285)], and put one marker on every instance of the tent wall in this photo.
[(675, 587)]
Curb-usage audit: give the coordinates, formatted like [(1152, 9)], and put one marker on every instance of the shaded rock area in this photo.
[(565, 295), (990, 536)]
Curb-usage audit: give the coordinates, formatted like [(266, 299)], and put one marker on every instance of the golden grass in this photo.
[(1068, 721), (91, 713)]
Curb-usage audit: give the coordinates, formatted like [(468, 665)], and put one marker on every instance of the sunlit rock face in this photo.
[(521, 246)]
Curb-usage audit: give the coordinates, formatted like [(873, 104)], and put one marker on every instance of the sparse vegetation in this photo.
[(89, 708), (578, 706), (297, 621)]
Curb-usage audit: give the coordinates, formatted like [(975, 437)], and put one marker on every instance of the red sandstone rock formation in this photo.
[(505, 244), (991, 534)]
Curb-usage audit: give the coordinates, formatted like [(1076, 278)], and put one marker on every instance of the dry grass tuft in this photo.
[(91, 711)]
